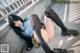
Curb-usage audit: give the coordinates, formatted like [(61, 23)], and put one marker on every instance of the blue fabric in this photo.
[(27, 28)]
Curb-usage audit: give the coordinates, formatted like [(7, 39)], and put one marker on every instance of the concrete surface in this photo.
[(17, 45)]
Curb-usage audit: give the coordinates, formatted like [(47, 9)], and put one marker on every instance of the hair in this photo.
[(13, 18)]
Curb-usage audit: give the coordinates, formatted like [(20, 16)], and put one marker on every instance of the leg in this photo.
[(49, 32), (65, 31), (37, 26), (51, 14), (29, 43)]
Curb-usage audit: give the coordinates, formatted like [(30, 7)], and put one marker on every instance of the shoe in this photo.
[(70, 33), (35, 43), (28, 48), (59, 50)]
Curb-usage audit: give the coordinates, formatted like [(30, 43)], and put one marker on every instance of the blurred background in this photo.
[(68, 11)]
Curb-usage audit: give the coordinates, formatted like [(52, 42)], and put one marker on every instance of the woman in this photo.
[(18, 26)]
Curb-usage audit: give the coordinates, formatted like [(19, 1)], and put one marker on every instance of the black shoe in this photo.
[(59, 50), (28, 48), (70, 33)]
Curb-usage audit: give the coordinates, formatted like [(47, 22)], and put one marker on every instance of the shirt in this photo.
[(26, 27)]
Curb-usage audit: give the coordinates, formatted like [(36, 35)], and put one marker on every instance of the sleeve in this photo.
[(27, 18)]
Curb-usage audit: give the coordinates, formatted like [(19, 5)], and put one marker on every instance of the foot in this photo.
[(70, 33), (35, 43)]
